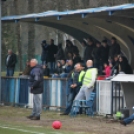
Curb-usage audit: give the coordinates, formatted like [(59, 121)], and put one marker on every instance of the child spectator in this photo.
[(107, 69)]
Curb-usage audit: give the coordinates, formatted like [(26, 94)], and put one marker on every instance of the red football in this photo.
[(56, 125)]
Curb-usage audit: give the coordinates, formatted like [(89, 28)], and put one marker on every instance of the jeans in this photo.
[(10, 72), (71, 96), (55, 76), (64, 75), (129, 119), (37, 105), (52, 67)]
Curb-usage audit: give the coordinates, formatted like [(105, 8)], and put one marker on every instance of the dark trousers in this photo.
[(71, 96), (10, 72), (52, 67)]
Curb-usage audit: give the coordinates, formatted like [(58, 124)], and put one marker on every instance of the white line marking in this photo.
[(55, 133), (21, 130)]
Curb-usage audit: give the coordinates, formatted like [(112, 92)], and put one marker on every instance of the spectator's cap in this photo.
[(44, 41), (104, 41)]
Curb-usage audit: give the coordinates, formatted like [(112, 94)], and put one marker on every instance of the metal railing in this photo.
[(15, 91)]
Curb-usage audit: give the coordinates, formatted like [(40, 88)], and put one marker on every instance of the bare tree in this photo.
[(18, 38), (31, 32)]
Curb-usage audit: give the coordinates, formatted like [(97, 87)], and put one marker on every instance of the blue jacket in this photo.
[(68, 69), (36, 80)]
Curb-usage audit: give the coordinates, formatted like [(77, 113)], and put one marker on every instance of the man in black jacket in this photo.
[(104, 52), (60, 53), (10, 62), (97, 55), (88, 50), (52, 50), (36, 87), (44, 54), (114, 48), (104, 55)]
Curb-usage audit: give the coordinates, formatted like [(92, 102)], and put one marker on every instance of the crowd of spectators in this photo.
[(107, 57), (59, 63)]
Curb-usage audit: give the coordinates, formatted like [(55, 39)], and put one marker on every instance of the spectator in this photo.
[(116, 64), (58, 70), (11, 61), (104, 52), (52, 50), (27, 70), (114, 48), (75, 49), (63, 62), (107, 70), (70, 56), (68, 69), (60, 52), (46, 70), (84, 44), (124, 66), (44, 54), (97, 55), (76, 58), (113, 69), (36, 86), (70, 48), (74, 86), (89, 50), (69, 66)]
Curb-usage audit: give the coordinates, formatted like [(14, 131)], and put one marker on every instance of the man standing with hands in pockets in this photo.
[(36, 87)]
